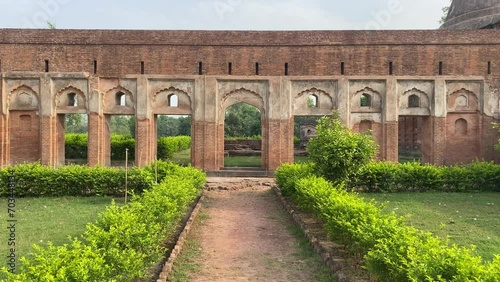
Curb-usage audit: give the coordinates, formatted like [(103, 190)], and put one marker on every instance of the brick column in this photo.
[(96, 123), (439, 113), (279, 127), (48, 132), (145, 131), (390, 118), (4, 144), (207, 146)]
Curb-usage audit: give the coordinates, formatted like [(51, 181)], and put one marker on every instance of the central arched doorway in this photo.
[(242, 136)]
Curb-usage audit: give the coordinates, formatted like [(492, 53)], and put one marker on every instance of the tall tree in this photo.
[(242, 120)]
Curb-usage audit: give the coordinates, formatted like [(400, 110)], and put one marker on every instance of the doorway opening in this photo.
[(173, 135), (121, 139), (304, 128), (243, 136), (73, 138)]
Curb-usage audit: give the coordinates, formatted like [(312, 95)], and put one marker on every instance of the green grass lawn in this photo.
[(184, 158), (465, 218), (254, 161), (40, 220)]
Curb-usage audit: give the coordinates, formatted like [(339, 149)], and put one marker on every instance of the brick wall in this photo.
[(308, 53), (24, 137)]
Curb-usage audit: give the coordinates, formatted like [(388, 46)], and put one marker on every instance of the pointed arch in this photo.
[(463, 100), (23, 98), (242, 95), (113, 101), (69, 94), (313, 101), (172, 100), (366, 100)]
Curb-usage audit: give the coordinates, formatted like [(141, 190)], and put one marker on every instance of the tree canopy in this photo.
[(242, 120)]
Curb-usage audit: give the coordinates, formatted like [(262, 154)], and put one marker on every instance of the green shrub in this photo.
[(168, 146), (288, 174), (337, 151), (408, 177), (36, 180), (119, 145), (126, 241), (392, 250), (76, 146)]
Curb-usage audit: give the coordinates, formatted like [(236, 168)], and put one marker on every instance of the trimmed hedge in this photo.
[(414, 177), (76, 146), (125, 242), (167, 146), (36, 180), (392, 251)]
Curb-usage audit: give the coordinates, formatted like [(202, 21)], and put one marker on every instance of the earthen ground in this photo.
[(245, 235)]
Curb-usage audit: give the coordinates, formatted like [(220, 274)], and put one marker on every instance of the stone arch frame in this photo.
[(325, 102), (424, 108), (109, 101), (247, 96), (376, 101), (23, 90), (252, 98), (161, 99), (60, 98), (472, 103)]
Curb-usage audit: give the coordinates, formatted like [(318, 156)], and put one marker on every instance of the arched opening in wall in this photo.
[(243, 136), (24, 136), (72, 134), (304, 128), (72, 100), (312, 101), (365, 100), (414, 139), (365, 126), (120, 139), (173, 134), (413, 101), (461, 127), (173, 101), (120, 99)]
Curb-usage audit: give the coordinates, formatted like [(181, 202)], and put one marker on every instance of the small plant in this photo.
[(338, 152)]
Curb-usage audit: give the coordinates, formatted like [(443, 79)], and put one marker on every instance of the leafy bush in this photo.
[(76, 146), (36, 180), (125, 241), (389, 177), (288, 174), (119, 143), (167, 146), (392, 250), (337, 151)]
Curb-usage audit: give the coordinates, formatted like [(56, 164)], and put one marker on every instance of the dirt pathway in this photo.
[(245, 235)]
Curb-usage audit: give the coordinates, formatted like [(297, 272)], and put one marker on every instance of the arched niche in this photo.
[(172, 101), (313, 102), (463, 100), (23, 98), (71, 100), (366, 100), (414, 102), (461, 127), (119, 101)]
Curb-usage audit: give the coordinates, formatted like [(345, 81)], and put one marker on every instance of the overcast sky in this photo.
[(223, 14)]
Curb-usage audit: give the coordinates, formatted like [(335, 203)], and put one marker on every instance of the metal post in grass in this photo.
[(156, 169), (126, 174)]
